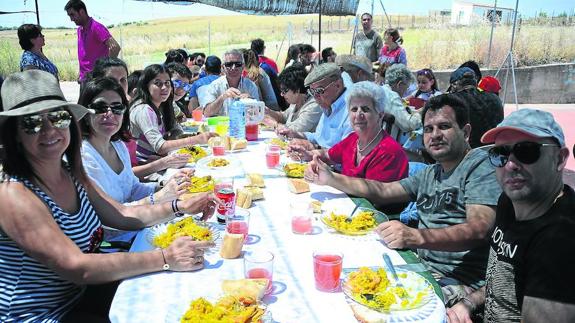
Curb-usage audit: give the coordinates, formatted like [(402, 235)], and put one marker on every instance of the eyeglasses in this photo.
[(525, 152), (284, 90), (161, 84), (424, 71), (32, 124), (179, 84), (319, 90), (101, 107), (230, 65)]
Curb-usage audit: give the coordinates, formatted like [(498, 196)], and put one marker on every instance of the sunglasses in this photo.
[(32, 124), (160, 84), (230, 65), (179, 84), (101, 107), (319, 90), (525, 152), (284, 90)]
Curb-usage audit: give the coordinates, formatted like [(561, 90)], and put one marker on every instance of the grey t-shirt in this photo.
[(219, 86), (441, 200)]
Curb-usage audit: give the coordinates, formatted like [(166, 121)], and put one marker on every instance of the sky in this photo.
[(109, 12)]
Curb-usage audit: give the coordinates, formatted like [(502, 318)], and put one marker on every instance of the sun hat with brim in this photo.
[(34, 91), (530, 122)]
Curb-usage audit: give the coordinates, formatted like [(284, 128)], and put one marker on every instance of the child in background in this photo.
[(426, 88), (391, 52)]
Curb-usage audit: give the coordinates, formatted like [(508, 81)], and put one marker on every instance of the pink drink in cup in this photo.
[(272, 156), (327, 269), (301, 217), (197, 115), (252, 132), (239, 222), (259, 264), (218, 150)]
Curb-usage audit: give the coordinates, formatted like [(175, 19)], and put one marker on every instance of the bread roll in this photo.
[(243, 198), (297, 185), (232, 245), (256, 180), (237, 144), (254, 288), (316, 206), (257, 193)]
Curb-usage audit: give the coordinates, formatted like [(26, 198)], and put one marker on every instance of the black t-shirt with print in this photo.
[(530, 258)]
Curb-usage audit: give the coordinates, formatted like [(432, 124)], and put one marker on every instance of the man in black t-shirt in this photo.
[(530, 273)]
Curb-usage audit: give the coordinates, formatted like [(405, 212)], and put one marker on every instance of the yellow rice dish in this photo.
[(294, 170), (201, 184), (195, 152), (185, 227), (228, 309), (218, 162), (363, 222), (373, 289), (278, 142)]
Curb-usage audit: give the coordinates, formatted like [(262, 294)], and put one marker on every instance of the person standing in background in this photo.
[(392, 52), (31, 40), (94, 39), (367, 42)]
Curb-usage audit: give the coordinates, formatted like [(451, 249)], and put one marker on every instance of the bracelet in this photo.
[(467, 302), (166, 266), (152, 199), (175, 208)]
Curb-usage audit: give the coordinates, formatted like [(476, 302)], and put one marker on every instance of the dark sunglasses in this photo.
[(32, 124), (284, 90), (179, 84), (101, 107), (525, 152), (230, 65), (319, 90)]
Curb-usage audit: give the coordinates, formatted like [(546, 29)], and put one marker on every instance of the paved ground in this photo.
[(563, 113)]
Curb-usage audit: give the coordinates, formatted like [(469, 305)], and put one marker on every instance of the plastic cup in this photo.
[(273, 156), (252, 131), (259, 264), (198, 115), (218, 150), (327, 269), (222, 127), (239, 222), (301, 217)]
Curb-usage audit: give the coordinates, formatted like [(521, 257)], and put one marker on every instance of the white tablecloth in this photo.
[(164, 296)]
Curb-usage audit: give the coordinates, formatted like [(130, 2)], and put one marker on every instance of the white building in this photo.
[(469, 13)]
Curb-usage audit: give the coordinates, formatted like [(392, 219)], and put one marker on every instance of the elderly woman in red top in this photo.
[(368, 152)]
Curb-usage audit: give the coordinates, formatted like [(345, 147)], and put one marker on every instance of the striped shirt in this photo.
[(29, 290)]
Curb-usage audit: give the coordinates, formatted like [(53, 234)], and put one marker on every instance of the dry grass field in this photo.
[(437, 46)]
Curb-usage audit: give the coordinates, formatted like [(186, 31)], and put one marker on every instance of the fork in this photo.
[(389, 265)]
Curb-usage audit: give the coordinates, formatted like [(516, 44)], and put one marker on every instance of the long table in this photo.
[(165, 296)]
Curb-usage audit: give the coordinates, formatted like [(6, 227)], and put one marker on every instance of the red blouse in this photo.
[(387, 162)]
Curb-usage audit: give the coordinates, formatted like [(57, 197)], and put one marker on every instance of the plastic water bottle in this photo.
[(237, 114)]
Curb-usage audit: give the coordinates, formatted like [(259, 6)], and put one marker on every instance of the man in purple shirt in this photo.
[(94, 39)]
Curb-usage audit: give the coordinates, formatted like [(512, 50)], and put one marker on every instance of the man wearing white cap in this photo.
[(530, 270)]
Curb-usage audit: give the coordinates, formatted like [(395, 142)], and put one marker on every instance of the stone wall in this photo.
[(552, 84)]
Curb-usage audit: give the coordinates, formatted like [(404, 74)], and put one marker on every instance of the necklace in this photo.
[(369, 143)]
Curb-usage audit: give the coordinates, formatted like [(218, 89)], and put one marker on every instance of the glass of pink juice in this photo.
[(301, 217), (327, 269), (219, 150), (259, 264), (238, 222), (252, 131), (273, 156)]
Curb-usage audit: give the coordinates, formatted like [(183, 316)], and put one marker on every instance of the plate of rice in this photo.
[(361, 222), (163, 234), (375, 289)]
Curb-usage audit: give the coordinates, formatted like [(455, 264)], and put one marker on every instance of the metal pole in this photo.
[(514, 24), (37, 13), (352, 48), (319, 35), (372, 2), (493, 15)]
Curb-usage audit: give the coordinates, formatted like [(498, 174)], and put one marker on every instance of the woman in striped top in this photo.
[(52, 213)]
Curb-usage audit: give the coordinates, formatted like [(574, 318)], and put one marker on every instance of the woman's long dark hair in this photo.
[(92, 89), (15, 161), (165, 111)]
